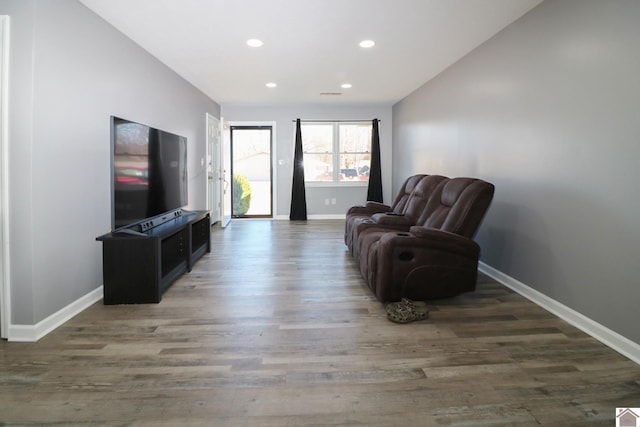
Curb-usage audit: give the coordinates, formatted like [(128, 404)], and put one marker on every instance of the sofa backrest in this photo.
[(420, 195), (458, 205), (400, 202)]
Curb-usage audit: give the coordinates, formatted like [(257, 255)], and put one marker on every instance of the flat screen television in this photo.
[(149, 172)]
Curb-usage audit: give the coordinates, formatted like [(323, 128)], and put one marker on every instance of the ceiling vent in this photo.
[(330, 93)]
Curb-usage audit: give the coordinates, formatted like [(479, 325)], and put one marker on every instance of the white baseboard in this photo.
[(312, 217), (32, 333), (328, 216), (610, 338)]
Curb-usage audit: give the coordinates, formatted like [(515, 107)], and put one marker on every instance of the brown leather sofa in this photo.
[(432, 254)]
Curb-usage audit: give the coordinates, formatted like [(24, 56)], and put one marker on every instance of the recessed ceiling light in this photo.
[(346, 85), (254, 42), (271, 84), (367, 43)]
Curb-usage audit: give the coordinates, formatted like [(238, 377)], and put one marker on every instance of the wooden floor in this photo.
[(276, 328)]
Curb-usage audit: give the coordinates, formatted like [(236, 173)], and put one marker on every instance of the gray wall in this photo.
[(69, 72), (547, 110), (283, 117)]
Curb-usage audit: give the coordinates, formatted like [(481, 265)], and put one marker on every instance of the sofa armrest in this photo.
[(435, 234), (370, 208), (393, 219), (378, 207), (433, 240), (369, 224)]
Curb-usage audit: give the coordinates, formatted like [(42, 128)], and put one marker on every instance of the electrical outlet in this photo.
[(326, 201), (333, 201)]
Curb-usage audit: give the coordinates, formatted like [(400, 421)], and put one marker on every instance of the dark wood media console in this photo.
[(137, 267)]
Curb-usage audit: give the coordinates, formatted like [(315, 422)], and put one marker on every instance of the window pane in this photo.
[(355, 156), (355, 167), (355, 138), (317, 138), (318, 167)]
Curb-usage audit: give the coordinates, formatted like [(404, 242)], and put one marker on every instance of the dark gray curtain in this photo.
[(298, 195), (374, 192)]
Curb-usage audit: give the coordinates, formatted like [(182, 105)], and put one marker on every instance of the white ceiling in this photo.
[(310, 46)]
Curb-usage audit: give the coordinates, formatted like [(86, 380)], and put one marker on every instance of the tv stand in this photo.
[(138, 266)]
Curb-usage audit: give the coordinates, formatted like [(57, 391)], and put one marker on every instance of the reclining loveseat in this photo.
[(428, 252)]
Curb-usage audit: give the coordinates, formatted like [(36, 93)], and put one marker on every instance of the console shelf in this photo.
[(137, 267)]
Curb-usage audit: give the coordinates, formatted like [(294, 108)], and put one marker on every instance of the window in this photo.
[(336, 152)]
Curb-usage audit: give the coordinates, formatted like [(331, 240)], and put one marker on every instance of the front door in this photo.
[(252, 189)]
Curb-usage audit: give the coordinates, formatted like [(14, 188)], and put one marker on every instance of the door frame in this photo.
[(274, 156), (214, 137), (5, 288), (224, 176)]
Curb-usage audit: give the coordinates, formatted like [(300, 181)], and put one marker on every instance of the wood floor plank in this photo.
[(275, 327)]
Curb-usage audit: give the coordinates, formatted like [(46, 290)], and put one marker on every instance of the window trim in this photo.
[(335, 153)]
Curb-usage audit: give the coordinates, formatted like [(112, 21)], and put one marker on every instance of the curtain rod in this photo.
[(336, 121)]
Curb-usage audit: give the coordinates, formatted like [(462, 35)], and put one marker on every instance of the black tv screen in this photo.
[(149, 168)]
